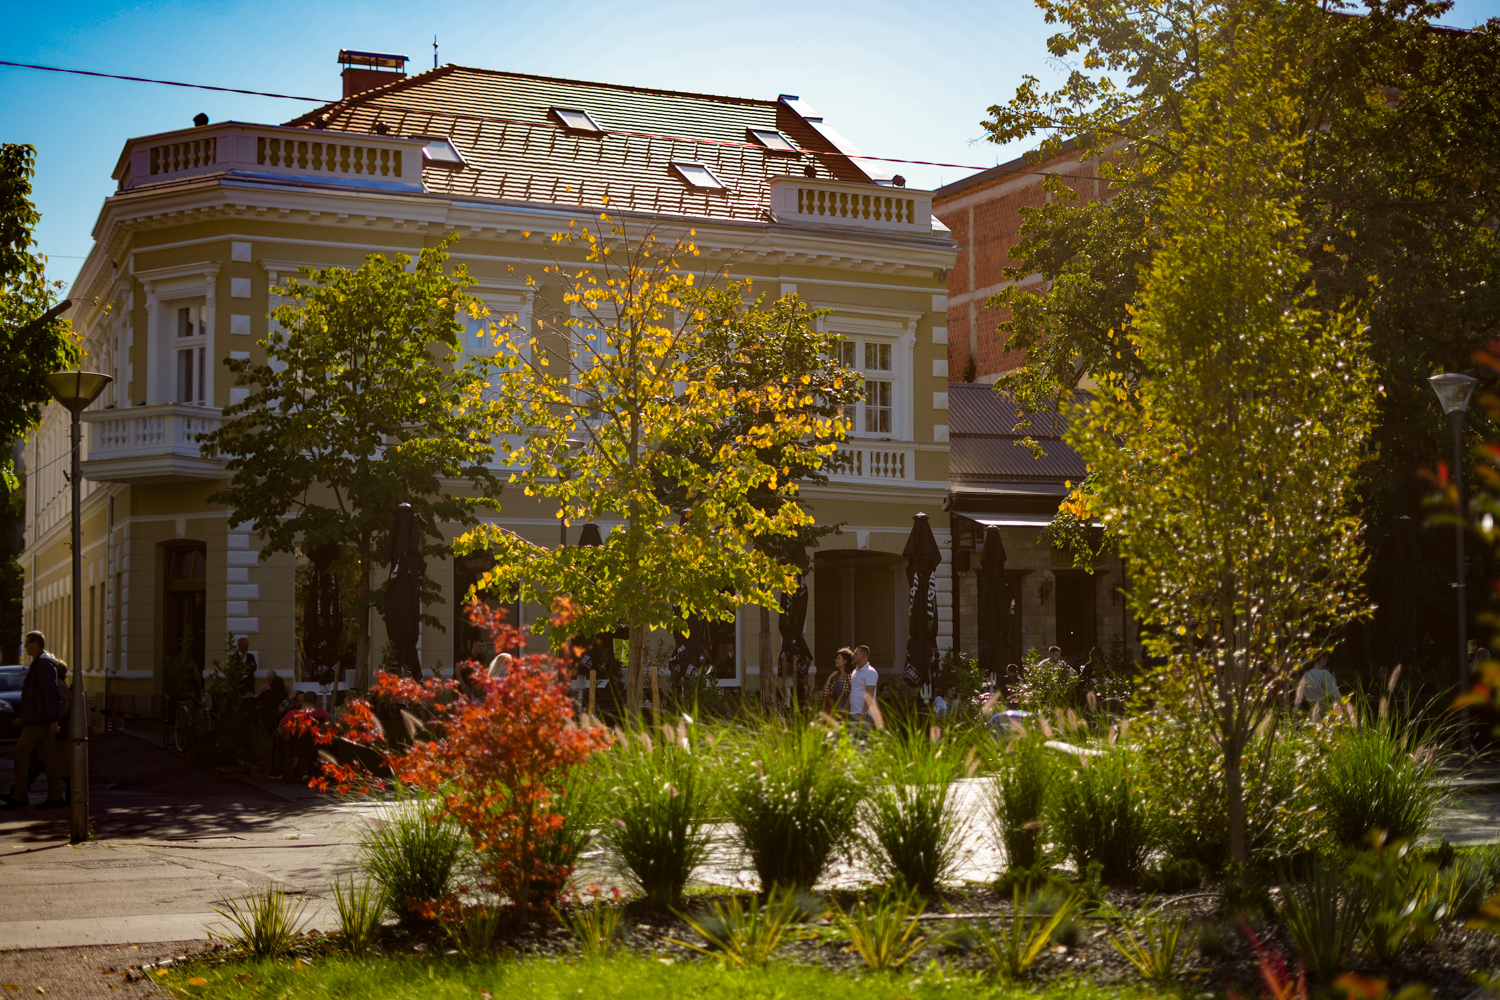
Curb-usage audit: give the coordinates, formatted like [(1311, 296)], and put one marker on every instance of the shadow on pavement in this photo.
[(142, 791)]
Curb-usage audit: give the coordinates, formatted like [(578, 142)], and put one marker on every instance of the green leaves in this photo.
[(1226, 471), (25, 295), (680, 413), (360, 402)]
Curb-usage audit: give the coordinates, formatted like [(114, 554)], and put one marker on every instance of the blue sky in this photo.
[(908, 80)]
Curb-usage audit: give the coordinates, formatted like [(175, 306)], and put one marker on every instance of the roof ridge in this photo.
[(448, 69), (365, 95)]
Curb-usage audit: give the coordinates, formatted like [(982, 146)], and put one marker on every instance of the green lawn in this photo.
[(631, 977)]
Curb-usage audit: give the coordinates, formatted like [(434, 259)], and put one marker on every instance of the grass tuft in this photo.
[(266, 924)]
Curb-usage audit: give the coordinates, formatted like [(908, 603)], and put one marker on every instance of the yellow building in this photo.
[(207, 220)]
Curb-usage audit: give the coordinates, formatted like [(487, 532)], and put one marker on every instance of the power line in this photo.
[(484, 118), (164, 83)]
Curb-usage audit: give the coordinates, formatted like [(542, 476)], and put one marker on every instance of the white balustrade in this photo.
[(872, 463), (863, 206), (389, 162), (150, 443)]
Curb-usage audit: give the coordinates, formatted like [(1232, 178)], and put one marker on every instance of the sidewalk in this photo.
[(170, 842)]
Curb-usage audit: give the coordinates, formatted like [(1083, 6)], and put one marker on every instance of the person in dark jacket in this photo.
[(41, 713)]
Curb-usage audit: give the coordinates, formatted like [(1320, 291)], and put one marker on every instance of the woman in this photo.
[(836, 690)]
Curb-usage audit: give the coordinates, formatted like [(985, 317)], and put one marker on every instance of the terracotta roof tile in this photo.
[(515, 150)]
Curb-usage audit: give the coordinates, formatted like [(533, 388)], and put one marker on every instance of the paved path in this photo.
[(172, 841)]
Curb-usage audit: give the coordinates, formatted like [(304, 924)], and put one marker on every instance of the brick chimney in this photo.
[(367, 70)]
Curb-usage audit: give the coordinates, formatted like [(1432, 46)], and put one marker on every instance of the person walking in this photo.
[(41, 715), (862, 684), (836, 690)]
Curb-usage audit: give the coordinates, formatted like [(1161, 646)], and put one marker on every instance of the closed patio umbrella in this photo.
[(598, 651), (796, 658), (994, 609), (403, 599), (922, 560)]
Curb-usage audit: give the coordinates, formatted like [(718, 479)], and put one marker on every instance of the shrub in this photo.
[(1018, 800), (1173, 875), (884, 932), (413, 855), (1156, 952), (1470, 879), (1181, 769), (1379, 775), (744, 934), (915, 826), (1098, 813), (266, 924), (500, 757), (596, 928), (1012, 952), (360, 908), (1403, 895), (472, 930), (793, 802), (1324, 918), (655, 810)]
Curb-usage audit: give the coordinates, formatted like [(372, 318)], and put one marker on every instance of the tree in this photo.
[(1397, 187), (645, 404), (1227, 473), (361, 404), (33, 341)]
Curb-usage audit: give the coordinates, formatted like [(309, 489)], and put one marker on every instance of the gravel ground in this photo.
[(1443, 965), (98, 972)]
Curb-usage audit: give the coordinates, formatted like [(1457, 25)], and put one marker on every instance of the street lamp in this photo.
[(571, 445), (1453, 391), (76, 390)]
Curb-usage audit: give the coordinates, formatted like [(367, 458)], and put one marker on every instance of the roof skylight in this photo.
[(440, 152), (698, 176), (773, 140), (576, 120)]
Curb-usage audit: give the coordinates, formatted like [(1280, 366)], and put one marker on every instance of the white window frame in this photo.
[(167, 289), (898, 375)]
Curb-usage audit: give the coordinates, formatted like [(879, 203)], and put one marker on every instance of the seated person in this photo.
[(942, 705)]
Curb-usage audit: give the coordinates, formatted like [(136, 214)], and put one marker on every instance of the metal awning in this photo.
[(1013, 520)]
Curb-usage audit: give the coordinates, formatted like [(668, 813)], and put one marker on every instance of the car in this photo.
[(11, 678)]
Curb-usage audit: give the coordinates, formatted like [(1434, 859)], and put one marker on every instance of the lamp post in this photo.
[(76, 390), (1453, 391), (571, 445)]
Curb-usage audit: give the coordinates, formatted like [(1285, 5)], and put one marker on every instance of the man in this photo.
[(41, 710), (247, 664), (1318, 686), (862, 684)]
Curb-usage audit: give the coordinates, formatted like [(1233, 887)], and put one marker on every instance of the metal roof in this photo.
[(515, 150), (984, 449)]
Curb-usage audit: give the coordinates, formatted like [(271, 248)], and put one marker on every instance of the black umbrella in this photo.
[(597, 652), (323, 614), (922, 560), (1401, 607), (994, 609), (795, 659), (403, 598)]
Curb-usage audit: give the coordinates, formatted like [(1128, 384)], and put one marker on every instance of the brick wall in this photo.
[(984, 213)]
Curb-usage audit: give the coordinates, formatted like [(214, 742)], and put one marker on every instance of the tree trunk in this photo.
[(362, 643), (635, 669), (1234, 786), (767, 668)]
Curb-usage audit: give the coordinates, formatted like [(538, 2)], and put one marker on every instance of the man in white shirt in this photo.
[(1318, 687), (862, 683)]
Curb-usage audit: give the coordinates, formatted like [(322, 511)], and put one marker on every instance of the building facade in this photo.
[(996, 480), (207, 221)]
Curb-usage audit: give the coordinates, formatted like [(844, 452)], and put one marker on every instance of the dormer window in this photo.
[(772, 140), (698, 176), (440, 152), (575, 120)]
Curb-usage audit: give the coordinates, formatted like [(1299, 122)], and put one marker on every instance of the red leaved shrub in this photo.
[(496, 753)]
